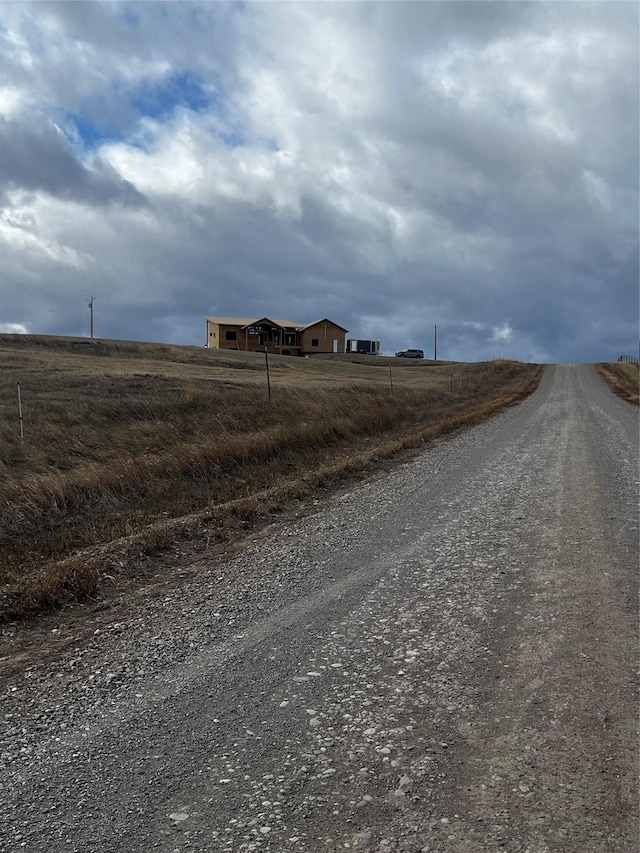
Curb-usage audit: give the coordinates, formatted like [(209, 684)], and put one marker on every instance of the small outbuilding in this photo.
[(363, 346)]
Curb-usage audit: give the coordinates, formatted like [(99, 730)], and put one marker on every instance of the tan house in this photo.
[(281, 337)]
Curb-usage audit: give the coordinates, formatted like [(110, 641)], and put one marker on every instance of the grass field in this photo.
[(623, 378), (145, 445)]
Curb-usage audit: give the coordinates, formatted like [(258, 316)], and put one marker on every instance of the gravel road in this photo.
[(441, 659)]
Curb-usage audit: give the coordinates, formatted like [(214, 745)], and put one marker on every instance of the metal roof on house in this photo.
[(251, 321)]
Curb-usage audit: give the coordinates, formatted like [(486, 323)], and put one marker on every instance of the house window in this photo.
[(314, 342), (231, 336), (289, 340)]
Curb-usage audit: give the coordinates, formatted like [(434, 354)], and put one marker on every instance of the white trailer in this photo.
[(363, 347)]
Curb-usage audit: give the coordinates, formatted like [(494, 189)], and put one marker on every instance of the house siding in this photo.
[(277, 337), (325, 333), (217, 337)]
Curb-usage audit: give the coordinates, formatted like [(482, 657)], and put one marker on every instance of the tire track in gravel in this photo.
[(442, 660)]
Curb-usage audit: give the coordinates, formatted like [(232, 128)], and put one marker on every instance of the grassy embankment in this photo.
[(132, 449), (623, 378)]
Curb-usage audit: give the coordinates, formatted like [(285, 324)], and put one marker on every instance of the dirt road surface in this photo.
[(442, 659)]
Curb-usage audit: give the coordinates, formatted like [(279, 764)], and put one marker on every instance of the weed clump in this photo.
[(623, 379)]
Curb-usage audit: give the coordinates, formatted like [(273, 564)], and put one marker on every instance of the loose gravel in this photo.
[(444, 659)]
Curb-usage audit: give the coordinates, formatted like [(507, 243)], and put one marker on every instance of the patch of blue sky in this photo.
[(86, 134), (92, 135), (155, 100), (159, 99), (130, 16), (232, 139)]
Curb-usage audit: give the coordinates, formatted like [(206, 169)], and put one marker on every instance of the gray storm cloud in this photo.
[(392, 165), (36, 156)]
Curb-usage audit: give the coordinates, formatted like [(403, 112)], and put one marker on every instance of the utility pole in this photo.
[(91, 301), (435, 343)]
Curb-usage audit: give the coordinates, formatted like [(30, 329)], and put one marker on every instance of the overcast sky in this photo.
[(389, 165)]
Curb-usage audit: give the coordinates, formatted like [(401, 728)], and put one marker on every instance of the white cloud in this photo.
[(10, 101), (27, 230), (13, 329), (503, 333)]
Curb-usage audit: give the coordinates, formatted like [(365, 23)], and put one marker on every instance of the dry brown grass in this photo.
[(623, 378), (161, 443)]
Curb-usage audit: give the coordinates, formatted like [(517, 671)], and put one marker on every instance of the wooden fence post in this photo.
[(20, 415)]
